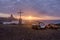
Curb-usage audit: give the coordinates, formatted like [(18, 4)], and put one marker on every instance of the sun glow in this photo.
[(30, 18)]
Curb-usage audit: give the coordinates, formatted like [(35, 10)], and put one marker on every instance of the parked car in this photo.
[(39, 25), (52, 26)]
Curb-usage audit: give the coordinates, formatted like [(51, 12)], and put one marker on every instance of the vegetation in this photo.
[(24, 32)]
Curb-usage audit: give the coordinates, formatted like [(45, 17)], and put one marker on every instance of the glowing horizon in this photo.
[(39, 18), (30, 17)]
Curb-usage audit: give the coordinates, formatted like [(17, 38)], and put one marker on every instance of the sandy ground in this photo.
[(14, 32)]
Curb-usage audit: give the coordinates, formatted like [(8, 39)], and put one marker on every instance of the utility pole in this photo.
[(20, 19)]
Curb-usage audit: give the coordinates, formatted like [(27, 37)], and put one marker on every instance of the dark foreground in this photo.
[(15, 32)]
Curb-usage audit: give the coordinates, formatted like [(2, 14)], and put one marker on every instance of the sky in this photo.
[(49, 9)]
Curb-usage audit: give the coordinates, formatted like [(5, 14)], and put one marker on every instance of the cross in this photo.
[(20, 13), (20, 19)]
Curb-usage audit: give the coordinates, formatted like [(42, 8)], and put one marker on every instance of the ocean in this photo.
[(50, 21)]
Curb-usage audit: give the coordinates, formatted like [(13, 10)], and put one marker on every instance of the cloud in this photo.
[(44, 7)]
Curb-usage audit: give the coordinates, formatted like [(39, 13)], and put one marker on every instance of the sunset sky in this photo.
[(40, 9)]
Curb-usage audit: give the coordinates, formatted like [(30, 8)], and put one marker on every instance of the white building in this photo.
[(12, 22)]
